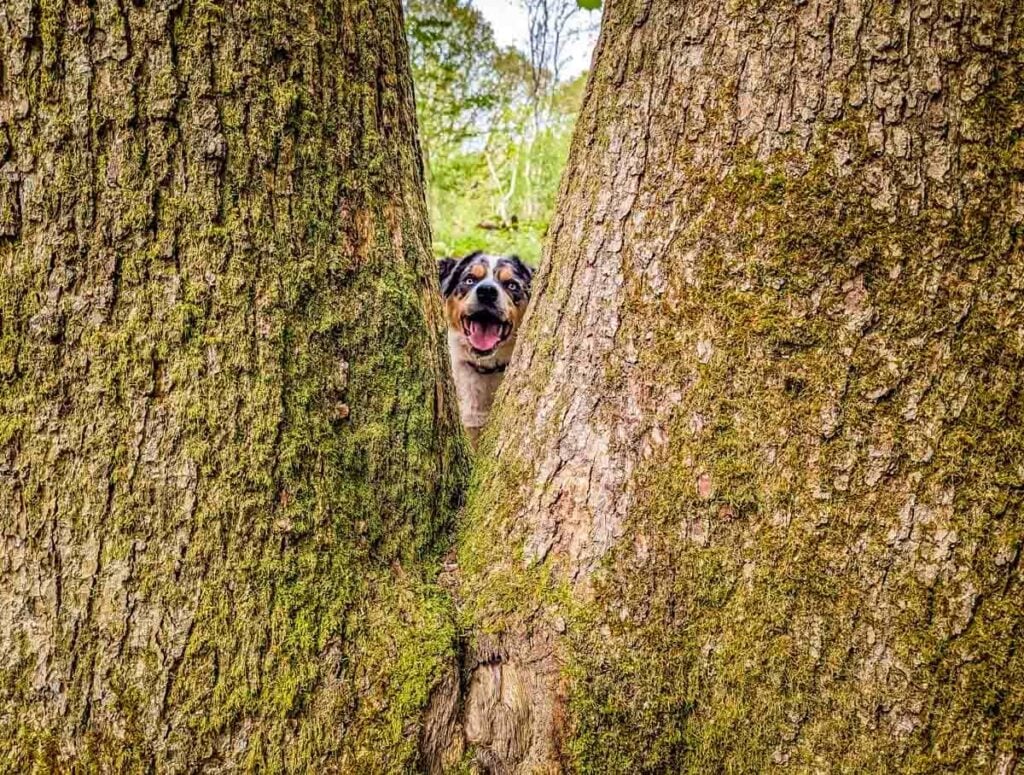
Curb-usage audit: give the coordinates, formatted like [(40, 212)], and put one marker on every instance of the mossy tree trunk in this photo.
[(225, 462), (753, 495)]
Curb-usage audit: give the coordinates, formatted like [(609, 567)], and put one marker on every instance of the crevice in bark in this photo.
[(481, 706)]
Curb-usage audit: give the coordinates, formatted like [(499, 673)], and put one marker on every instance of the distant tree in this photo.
[(551, 27), (453, 55)]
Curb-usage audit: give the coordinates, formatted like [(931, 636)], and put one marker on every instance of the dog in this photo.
[(485, 298)]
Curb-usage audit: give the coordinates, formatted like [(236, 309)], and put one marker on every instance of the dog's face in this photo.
[(485, 300)]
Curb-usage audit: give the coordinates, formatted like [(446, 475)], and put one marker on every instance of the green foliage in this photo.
[(494, 145), (452, 50)]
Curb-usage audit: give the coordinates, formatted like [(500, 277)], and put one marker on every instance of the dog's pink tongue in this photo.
[(484, 336)]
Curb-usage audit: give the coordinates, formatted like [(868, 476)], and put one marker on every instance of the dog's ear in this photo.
[(523, 270), (444, 271)]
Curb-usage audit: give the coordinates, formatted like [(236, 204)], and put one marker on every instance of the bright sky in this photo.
[(508, 19)]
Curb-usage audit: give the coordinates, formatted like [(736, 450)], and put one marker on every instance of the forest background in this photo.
[(495, 121)]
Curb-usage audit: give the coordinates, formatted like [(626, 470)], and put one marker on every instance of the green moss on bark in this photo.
[(737, 642), (229, 457), (782, 297)]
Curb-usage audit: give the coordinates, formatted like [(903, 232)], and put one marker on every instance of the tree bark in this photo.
[(752, 497), (226, 464)]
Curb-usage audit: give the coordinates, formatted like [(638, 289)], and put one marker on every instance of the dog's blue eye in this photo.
[(512, 285), (469, 280)]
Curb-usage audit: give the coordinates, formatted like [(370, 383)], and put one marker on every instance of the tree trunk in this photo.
[(225, 461), (754, 494)]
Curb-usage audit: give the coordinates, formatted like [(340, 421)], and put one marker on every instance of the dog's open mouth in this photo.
[(485, 331)]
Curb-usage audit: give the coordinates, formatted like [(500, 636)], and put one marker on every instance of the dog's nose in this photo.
[(487, 294)]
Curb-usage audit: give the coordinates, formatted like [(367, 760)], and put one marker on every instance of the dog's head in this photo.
[(485, 300)]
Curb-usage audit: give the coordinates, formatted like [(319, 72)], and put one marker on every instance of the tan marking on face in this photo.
[(505, 274), (479, 271), (453, 308), (515, 313)]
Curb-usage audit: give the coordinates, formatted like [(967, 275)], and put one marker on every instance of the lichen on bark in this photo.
[(229, 460)]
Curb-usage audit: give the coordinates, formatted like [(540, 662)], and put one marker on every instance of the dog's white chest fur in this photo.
[(475, 390)]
